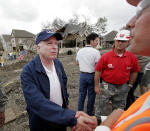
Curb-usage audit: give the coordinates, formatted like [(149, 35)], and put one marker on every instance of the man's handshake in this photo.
[(85, 122), (89, 123)]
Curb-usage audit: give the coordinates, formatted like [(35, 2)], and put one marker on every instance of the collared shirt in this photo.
[(55, 88), (116, 69), (87, 58)]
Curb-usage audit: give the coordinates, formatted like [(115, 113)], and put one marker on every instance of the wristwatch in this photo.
[(130, 85), (98, 120)]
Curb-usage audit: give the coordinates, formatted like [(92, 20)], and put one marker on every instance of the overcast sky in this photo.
[(30, 14)]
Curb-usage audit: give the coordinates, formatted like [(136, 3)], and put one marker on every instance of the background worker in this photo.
[(145, 84), (87, 58), (142, 60), (116, 68)]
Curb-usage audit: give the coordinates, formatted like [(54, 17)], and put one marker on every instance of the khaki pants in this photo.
[(112, 97)]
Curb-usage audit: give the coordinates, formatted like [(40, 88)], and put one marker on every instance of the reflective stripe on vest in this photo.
[(136, 117), (144, 107), (138, 122)]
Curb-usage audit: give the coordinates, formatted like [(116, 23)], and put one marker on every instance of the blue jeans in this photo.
[(10, 58), (86, 84)]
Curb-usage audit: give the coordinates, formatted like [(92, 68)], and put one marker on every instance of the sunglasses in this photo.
[(143, 4)]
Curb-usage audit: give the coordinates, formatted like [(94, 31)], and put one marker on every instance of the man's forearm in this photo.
[(133, 77), (97, 77)]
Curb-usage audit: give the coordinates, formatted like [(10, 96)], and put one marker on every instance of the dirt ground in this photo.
[(16, 115)]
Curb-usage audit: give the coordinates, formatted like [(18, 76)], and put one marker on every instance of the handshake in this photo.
[(84, 122), (89, 123)]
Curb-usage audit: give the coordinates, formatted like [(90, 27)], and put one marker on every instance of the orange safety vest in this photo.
[(138, 122)]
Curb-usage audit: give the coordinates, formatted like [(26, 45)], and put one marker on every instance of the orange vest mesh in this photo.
[(134, 108)]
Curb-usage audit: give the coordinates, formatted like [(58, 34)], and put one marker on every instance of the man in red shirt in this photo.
[(116, 68)]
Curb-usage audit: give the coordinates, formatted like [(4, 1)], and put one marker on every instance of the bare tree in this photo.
[(46, 25), (74, 20), (98, 27), (56, 24)]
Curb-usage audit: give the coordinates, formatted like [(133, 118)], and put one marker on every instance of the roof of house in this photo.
[(110, 36), (22, 34), (71, 29)]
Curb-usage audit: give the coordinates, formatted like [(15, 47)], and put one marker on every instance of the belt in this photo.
[(87, 72)]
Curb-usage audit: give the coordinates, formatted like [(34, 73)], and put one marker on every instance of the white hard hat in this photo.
[(123, 35)]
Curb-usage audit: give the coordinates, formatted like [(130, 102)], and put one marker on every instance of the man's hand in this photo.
[(112, 118), (93, 118), (2, 118), (130, 85), (84, 122), (97, 90)]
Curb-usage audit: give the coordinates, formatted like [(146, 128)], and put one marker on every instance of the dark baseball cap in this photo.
[(44, 35)]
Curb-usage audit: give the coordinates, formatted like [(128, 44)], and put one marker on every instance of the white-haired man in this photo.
[(44, 85)]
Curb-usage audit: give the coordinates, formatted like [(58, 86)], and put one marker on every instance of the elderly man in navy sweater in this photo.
[(44, 86)]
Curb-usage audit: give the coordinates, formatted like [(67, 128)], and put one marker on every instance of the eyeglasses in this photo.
[(141, 6)]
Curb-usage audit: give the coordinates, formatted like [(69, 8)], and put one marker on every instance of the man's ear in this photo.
[(37, 47), (91, 41)]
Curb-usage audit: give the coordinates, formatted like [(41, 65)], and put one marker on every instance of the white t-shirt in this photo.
[(55, 88), (87, 58)]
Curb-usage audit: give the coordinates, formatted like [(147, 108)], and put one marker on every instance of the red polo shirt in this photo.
[(116, 69)]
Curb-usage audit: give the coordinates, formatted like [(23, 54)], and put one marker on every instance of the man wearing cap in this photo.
[(115, 68), (43, 83)]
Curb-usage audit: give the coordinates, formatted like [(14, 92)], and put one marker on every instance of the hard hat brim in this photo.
[(121, 39)]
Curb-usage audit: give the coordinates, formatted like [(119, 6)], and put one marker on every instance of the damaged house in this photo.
[(73, 36), (21, 39), (18, 41), (108, 39)]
